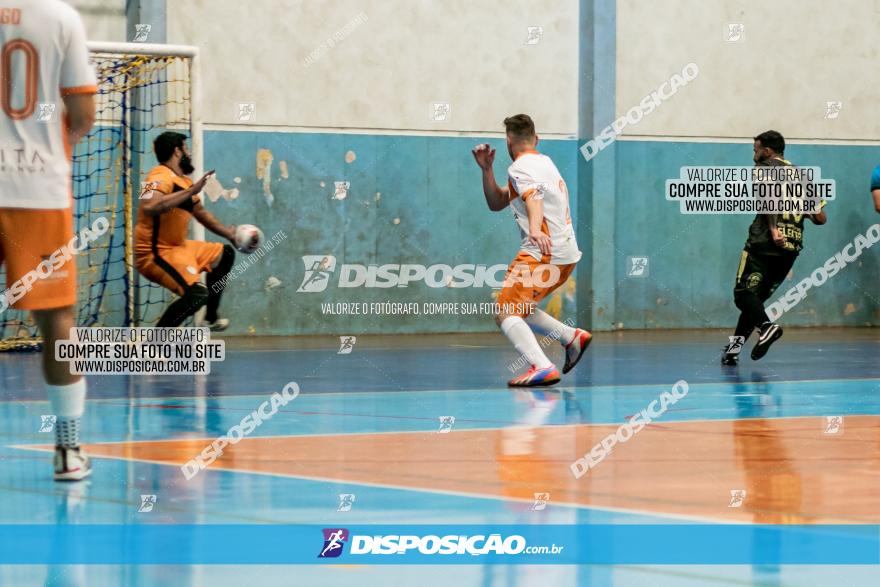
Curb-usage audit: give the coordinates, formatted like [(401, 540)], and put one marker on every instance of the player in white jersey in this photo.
[(548, 253), (48, 105)]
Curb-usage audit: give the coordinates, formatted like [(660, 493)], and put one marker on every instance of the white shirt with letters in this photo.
[(43, 43), (534, 175)]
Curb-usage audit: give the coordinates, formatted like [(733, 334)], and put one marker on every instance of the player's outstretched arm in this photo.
[(535, 212), (211, 222), (155, 202), (497, 197)]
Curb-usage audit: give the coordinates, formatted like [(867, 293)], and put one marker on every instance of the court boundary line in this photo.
[(482, 389), (627, 511), (632, 512), (489, 429)]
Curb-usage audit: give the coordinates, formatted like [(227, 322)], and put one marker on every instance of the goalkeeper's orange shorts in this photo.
[(178, 267)]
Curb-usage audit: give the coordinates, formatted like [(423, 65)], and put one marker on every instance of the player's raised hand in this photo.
[(200, 184), (542, 241), (484, 156), (777, 237)]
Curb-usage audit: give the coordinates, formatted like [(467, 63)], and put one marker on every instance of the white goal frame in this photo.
[(195, 114), (195, 107)]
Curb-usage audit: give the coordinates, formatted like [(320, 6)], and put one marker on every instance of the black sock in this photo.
[(216, 282), (184, 307)]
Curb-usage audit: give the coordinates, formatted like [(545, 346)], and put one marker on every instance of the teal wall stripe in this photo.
[(596, 178)]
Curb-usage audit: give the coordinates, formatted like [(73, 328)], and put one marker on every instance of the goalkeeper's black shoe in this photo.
[(770, 333)]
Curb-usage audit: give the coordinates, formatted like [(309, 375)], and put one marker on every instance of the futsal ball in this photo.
[(248, 238)]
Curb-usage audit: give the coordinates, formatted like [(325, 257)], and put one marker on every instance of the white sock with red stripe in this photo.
[(520, 335), (545, 324)]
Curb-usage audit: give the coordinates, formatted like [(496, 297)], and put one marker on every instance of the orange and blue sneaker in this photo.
[(535, 377), (575, 349)]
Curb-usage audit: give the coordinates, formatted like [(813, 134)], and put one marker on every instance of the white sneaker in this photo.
[(575, 349), (731, 352), (71, 464), (219, 325)]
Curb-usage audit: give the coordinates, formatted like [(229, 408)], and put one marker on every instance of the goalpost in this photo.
[(143, 90)]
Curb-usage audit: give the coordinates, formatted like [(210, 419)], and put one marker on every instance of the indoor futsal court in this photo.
[(268, 320)]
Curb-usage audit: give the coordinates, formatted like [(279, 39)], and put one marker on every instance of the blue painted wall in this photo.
[(431, 184), (694, 259)]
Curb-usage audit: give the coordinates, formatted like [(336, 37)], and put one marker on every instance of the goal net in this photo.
[(143, 90)]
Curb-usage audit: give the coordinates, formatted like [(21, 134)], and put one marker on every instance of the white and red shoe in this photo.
[(71, 464), (535, 377), (575, 349)]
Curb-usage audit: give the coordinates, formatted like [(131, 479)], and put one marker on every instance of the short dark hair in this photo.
[(520, 126), (772, 140), (165, 144)]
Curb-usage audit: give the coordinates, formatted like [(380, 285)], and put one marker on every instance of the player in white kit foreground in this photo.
[(51, 69), (537, 194)]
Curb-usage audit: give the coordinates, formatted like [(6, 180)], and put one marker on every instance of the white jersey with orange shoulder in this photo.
[(44, 59), (534, 175)]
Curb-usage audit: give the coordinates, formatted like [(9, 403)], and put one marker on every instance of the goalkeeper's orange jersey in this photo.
[(170, 228)]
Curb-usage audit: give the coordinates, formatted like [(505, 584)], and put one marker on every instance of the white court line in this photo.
[(572, 388), (630, 511), (635, 512), (486, 429)]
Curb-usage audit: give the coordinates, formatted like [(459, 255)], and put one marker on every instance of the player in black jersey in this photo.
[(772, 246)]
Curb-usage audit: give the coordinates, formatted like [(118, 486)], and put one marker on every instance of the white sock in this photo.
[(520, 335), (545, 324), (68, 404)]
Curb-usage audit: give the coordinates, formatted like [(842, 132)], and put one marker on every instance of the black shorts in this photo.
[(762, 274)]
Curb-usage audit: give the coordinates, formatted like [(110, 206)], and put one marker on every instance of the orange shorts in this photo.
[(27, 238), (528, 281), (177, 268)]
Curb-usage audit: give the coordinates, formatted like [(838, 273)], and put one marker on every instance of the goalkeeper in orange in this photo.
[(162, 252)]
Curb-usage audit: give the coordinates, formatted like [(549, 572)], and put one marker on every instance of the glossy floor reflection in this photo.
[(798, 432)]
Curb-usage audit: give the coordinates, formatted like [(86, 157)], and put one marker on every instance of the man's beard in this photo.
[(186, 165)]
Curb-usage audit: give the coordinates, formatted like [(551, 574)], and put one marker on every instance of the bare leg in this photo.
[(55, 325)]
